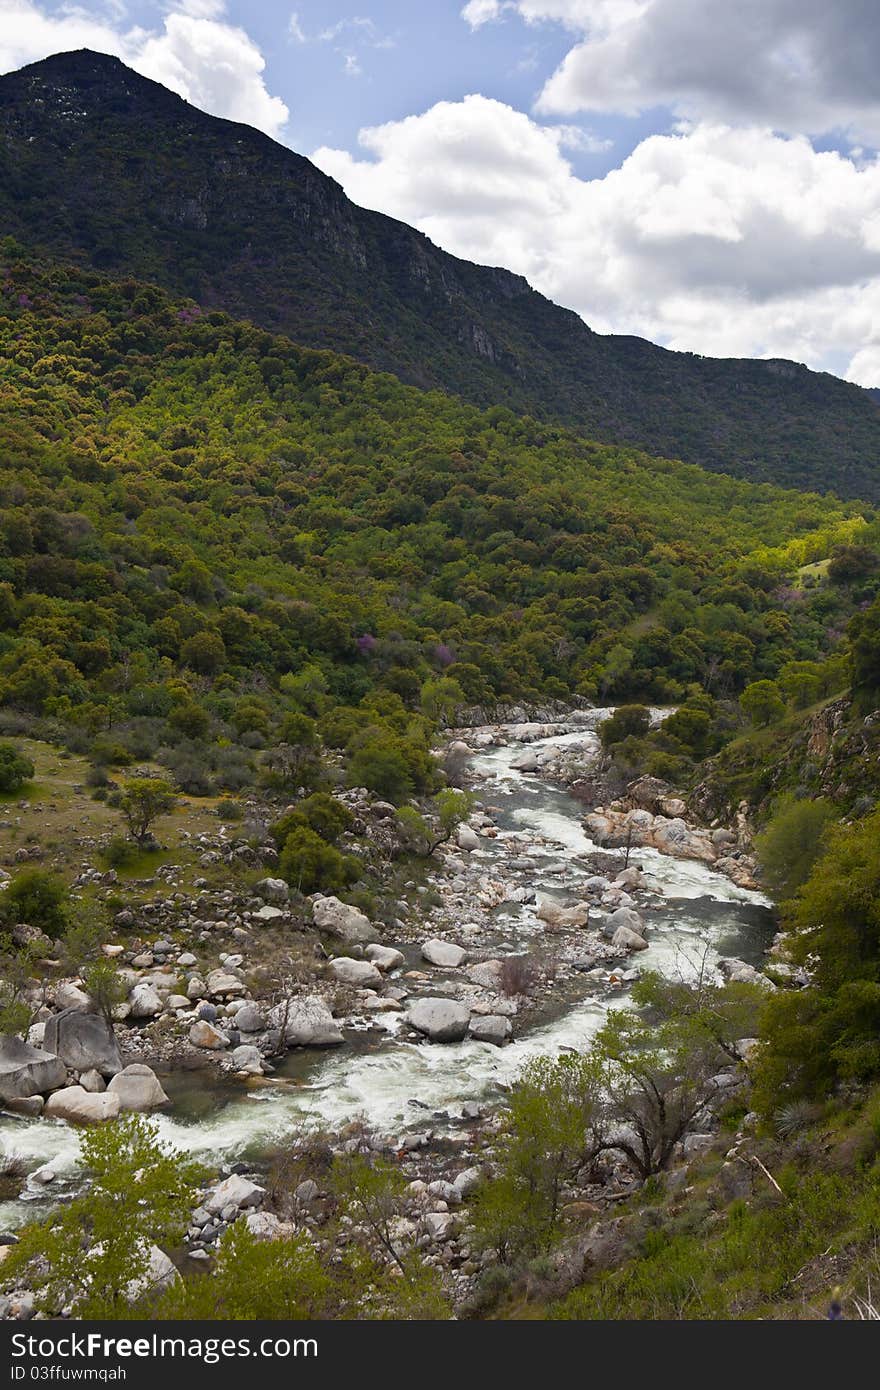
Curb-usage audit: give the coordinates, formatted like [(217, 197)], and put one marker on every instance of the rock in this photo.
[(363, 974), (441, 1020), (438, 1225), (272, 890), (265, 1225), (624, 917), (555, 915), (204, 1034), (27, 1071), (468, 1181), (648, 793), (70, 996), (467, 838), (251, 1018), (344, 921), (196, 988), (306, 1192), (626, 940), (138, 1089), (159, 1275), (309, 1023), (186, 960), (443, 953), (268, 913), (84, 1042), (176, 1001), (674, 807), (748, 1049), (446, 1191), (248, 1058), (78, 1106), (236, 1192), (385, 958), (693, 1145), (220, 983), (144, 1001), (25, 1105), (487, 974), (491, 1028), (208, 1012), (630, 878), (93, 1081)]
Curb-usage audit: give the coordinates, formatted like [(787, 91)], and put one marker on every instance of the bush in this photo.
[(15, 769), (39, 898), (790, 843), (310, 865), (629, 721), (320, 812), (119, 853)]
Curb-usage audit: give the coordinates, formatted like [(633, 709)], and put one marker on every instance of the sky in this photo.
[(703, 173)]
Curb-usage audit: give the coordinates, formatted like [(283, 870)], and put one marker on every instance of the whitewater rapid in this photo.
[(697, 916)]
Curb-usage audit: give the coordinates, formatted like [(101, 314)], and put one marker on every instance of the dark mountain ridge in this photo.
[(102, 165)]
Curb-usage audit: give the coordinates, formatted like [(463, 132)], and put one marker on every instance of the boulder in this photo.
[(234, 1191), (624, 939), (443, 953), (272, 890), (144, 1002), (491, 1028), (361, 973), (468, 1181), (27, 1071), (743, 974), (309, 1023), (487, 974), (623, 917), (70, 996), (441, 1020), (385, 958), (251, 1018), (438, 1225), (467, 838), (204, 1034), (84, 1042), (25, 1105), (221, 983), (268, 913), (92, 1081), (344, 921), (555, 915), (138, 1089), (159, 1275), (79, 1106)]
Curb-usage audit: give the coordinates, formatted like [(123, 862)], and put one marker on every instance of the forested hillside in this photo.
[(101, 165), (203, 524)]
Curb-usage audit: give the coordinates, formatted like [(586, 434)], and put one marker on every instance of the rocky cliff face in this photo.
[(100, 165)]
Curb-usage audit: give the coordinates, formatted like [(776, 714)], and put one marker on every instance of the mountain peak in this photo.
[(101, 165)]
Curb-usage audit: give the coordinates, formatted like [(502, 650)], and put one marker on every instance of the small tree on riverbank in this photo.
[(143, 801)]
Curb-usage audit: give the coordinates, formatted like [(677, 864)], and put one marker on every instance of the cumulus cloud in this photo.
[(198, 54), (711, 239), (795, 65)]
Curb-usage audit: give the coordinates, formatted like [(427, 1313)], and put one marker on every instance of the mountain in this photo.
[(102, 165)]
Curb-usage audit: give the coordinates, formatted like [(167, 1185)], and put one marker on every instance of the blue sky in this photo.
[(700, 172)]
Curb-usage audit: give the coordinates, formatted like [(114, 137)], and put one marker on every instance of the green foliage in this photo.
[(762, 703), (144, 800), (37, 897), (310, 864), (546, 1136), (628, 721), (830, 1031), (92, 1254), (15, 769), (272, 1280), (381, 765), (790, 842), (320, 812), (420, 836)]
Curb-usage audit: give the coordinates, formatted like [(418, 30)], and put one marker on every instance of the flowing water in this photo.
[(698, 916)]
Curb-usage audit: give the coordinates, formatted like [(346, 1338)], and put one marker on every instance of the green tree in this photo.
[(762, 703), (791, 841), (629, 721), (310, 865), (93, 1254), (271, 1280), (143, 801), (380, 764), (39, 898)]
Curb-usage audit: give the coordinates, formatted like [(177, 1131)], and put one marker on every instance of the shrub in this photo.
[(629, 721), (39, 898), (320, 812), (15, 769)]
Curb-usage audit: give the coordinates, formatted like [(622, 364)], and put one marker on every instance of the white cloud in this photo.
[(711, 239), (796, 65), (213, 64), (295, 29)]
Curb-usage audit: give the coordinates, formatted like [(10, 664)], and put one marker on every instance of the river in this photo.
[(695, 917)]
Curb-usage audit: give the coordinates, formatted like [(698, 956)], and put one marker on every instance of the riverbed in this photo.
[(694, 916)]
